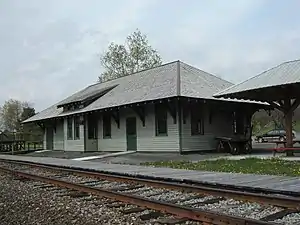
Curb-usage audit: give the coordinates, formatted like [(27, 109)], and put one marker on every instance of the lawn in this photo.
[(249, 165)]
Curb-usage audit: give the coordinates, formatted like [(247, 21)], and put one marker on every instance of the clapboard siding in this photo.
[(73, 145), (146, 139), (117, 142), (58, 137), (219, 125)]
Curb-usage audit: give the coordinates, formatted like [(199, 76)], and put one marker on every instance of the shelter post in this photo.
[(288, 119), (288, 108)]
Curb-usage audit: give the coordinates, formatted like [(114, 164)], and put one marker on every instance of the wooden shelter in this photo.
[(278, 86)]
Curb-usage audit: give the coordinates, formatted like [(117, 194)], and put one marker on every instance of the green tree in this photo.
[(134, 55), (30, 131), (11, 114)]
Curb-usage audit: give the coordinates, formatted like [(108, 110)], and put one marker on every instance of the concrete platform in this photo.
[(63, 154), (276, 183)]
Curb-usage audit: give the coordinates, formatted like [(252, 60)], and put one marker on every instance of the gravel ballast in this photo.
[(42, 203), (23, 202)]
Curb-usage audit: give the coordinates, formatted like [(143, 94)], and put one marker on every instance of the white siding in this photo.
[(220, 125), (148, 141), (146, 138), (73, 145), (117, 142), (58, 137)]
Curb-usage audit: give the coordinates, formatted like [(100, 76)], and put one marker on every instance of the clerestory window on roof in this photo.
[(85, 97)]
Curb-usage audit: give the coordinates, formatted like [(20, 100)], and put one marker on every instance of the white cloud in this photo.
[(49, 52), (58, 54)]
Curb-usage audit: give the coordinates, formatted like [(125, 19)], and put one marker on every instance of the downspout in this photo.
[(179, 108)]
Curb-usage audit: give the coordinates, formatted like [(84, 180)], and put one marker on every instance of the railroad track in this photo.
[(188, 202)]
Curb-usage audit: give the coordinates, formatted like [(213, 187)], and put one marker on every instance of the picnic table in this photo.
[(283, 148)]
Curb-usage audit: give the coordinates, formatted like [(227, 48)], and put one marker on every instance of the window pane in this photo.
[(92, 127), (77, 128), (106, 126), (69, 128), (196, 122), (161, 116)]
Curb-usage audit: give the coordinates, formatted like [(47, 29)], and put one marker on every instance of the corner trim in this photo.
[(178, 79), (179, 112)]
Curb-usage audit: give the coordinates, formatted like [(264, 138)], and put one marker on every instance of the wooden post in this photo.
[(287, 107), (288, 118)]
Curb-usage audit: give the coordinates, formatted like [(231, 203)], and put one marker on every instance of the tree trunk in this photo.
[(289, 135)]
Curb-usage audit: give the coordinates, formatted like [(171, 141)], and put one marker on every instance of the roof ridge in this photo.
[(98, 83), (143, 70), (210, 74), (178, 77), (251, 78)]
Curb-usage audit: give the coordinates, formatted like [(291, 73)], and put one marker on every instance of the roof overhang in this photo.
[(264, 94), (260, 105)]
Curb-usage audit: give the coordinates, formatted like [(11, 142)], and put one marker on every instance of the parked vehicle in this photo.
[(273, 135)]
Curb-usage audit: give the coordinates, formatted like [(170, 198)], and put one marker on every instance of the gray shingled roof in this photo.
[(156, 83), (283, 74)]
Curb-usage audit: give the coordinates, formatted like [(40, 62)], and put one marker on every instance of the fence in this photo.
[(19, 145)]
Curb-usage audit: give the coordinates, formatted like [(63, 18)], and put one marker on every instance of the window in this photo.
[(106, 126), (70, 128), (92, 127), (272, 132), (161, 116), (197, 126), (77, 127)]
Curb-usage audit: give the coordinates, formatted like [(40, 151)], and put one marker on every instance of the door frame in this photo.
[(132, 136), (49, 133)]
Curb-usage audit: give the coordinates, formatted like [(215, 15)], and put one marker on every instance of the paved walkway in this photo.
[(279, 183)]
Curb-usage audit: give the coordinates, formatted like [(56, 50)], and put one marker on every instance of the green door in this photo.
[(49, 138), (131, 134)]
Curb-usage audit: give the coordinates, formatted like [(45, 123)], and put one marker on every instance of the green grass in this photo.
[(249, 165)]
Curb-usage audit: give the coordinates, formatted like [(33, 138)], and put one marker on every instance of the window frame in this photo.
[(106, 126), (92, 129), (271, 132), (76, 128), (69, 128), (196, 121), (161, 115)]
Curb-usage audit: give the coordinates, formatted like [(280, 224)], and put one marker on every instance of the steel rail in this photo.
[(281, 201), (207, 217)]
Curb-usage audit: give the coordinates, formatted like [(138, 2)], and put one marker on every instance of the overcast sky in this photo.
[(50, 49)]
